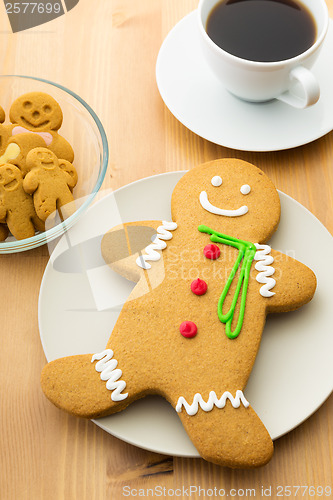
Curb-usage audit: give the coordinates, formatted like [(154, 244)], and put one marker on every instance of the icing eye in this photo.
[(216, 181), (47, 108), (27, 105), (245, 189)]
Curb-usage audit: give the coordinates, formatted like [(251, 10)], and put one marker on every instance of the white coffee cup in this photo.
[(290, 81)]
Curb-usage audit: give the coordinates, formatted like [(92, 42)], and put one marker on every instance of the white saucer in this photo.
[(199, 101), (292, 375)]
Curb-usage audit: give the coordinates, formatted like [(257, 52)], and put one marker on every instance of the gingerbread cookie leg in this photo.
[(66, 205), (44, 206), (38, 223), (65, 381), (19, 228), (99, 384), (73, 384), (233, 436), (3, 232)]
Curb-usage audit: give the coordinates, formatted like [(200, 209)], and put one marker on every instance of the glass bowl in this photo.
[(84, 131)]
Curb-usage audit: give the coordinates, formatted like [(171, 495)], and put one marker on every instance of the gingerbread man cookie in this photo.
[(39, 113), (16, 206), (51, 182), (190, 330)]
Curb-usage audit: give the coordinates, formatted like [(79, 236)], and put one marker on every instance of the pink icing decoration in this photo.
[(44, 135)]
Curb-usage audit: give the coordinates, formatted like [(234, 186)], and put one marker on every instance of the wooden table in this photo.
[(105, 50)]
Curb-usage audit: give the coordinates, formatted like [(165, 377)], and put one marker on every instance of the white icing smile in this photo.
[(205, 203)]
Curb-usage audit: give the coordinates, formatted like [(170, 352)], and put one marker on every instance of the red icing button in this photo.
[(188, 329), (212, 251), (199, 287)]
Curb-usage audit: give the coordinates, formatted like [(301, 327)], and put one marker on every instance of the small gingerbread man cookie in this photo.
[(51, 182), (39, 113), (16, 206), (191, 328)]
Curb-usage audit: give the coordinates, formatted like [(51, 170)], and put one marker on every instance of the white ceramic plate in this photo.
[(199, 101), (80, 300)]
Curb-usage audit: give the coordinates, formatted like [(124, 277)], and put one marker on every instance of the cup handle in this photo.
[(310, 87)]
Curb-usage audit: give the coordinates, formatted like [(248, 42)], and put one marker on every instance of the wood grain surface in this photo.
[(105, 50)]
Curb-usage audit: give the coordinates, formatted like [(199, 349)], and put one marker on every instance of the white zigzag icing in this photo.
[(192, 409), (265, 269), (107, 367), (158, 243)]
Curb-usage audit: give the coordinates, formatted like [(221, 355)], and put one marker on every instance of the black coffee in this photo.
[(262, 30)]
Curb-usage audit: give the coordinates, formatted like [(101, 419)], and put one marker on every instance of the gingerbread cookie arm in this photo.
[(31, 182), (60, 147), (123, 248), (70, 173), (295, 284)]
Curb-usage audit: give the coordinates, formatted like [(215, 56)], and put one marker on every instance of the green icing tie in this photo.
[(246, 252)]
